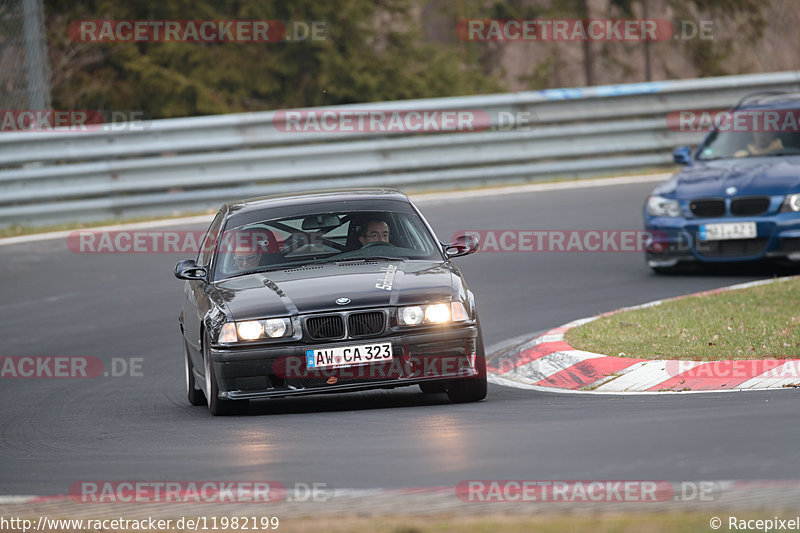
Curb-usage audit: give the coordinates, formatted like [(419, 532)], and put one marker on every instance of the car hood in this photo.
[(751, 176), (315, 288)]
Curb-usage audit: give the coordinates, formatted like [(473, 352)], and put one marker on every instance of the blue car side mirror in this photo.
[(682, 155)]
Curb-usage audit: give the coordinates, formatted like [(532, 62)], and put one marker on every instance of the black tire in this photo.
[(433, 387), (218, 406), (471, 389), (193, 394)]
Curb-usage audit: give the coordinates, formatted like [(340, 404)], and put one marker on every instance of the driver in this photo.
[(374, 231), (764, 142)]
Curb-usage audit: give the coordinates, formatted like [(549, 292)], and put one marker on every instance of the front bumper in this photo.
[(675, 240), (277, 371)]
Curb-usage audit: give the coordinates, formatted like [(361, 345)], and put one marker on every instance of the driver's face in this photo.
[(376, 232), (244, 259)]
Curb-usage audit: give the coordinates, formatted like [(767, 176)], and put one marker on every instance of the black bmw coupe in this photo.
[(329, 291)]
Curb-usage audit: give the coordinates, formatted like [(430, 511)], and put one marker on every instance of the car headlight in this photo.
[(441, 313), (791, 203), (658, 206), (252, 330)]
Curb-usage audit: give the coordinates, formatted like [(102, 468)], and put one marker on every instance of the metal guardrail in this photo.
[(189, 164)]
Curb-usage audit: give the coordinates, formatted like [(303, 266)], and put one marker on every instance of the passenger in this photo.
[(250, 247)]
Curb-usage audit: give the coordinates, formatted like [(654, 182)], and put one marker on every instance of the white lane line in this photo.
[(132, 226), (541, 187), (421, 198)]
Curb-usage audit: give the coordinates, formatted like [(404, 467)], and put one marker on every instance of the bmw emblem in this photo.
[(342, 301), (730, 191)]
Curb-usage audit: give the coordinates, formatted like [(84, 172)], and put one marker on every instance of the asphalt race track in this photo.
[(55, 432)]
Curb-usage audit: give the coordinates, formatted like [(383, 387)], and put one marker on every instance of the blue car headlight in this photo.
[(791, 203), (658, 206)]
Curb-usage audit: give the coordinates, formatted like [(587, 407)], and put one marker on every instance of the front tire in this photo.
[(218, 406), (193, 394), (471, 389)]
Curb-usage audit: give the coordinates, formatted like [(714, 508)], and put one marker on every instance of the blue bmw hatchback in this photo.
[(738, 199)]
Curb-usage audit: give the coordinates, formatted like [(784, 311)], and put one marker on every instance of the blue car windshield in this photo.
[(781, 140)]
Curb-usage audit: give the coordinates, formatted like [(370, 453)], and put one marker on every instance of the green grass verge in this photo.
[(759, 322)]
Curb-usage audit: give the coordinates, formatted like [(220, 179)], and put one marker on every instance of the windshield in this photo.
[(739, 144), (280, 243)]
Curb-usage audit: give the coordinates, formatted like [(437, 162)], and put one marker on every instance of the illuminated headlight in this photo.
[(791, 203), (658, 206), (251, 330), (437, 313), (431, 314)]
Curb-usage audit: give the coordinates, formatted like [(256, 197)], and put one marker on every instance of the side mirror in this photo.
[(682, 155), (463, 245), (188, 269)]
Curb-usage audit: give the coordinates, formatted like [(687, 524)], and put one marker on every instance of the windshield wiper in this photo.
[(366, 259)]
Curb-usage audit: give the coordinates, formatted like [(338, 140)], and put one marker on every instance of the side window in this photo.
[(209, 241)]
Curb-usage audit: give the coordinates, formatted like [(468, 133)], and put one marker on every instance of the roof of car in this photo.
[(313, 197), (770, 100)]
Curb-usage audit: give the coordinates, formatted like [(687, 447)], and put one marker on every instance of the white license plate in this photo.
[(341, 356), (729, 230)]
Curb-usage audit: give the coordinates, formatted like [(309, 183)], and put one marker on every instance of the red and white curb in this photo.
[(547, 362)]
